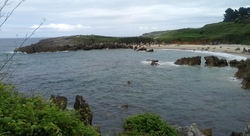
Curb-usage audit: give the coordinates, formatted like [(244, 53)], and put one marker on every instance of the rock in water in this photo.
[(59, 101), (84, 110), (189, 61), (214, 61), (244, 73), (234, 63), (192, 130)]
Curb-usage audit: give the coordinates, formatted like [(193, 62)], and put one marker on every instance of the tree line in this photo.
[(233, 15)]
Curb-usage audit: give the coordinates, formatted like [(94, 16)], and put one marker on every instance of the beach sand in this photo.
[(225, 48)]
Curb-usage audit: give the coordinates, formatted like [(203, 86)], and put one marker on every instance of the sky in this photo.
[(110, 18)]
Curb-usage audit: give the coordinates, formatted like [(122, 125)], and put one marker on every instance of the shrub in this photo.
[(147, 124), (21, 115)]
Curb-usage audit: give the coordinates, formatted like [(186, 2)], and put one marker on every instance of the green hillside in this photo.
[(237, 32)]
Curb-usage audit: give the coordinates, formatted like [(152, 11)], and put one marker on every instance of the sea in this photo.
[(208, 96)]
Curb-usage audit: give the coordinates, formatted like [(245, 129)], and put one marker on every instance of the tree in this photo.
[(243, 11), (4, 16), (230, 15)]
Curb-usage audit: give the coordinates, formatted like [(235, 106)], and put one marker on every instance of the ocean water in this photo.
[(210, 97)]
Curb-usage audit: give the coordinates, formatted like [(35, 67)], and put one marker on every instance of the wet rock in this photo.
[(207, 132), (141, 49), (236, 134), (214, 61), (154, 62), (244, 73), (189, 61), (234, 63), (83, 108), (191, 130), (247, 130), (245, 133), (59, 101), (150, 50), (124, 106)]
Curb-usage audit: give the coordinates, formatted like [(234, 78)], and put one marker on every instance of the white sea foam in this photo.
[(168, 63), (161, 63), (221, 54), (12, 52), (234, 79)]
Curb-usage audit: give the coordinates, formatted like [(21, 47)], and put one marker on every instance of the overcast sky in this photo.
[(112, 17)]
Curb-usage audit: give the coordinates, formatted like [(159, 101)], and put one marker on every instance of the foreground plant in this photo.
[(21, 115), (147, 124)]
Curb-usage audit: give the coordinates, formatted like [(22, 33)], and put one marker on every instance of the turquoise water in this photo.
[(210, 97)]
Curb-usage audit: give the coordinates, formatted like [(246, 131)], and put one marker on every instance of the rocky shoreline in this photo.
[(70, 43), (213, 61)]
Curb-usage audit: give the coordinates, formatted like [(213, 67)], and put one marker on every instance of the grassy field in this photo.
[(237, 32)]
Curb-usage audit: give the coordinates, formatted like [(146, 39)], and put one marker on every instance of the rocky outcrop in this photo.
[(70, 43), (83, 108), (234, 63), (192, 130), (153, 62), (59, 101), (189, 61), (214, 61), (150, 50), (244, 73), (245, 133), (143, 48)]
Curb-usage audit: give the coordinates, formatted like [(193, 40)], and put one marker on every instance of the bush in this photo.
[(147, 124), (21, 115)]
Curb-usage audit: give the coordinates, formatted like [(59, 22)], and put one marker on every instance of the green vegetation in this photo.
[(222, 32), (22, 115), (147, 124), (235, 29), (32, 116), (92, 39)]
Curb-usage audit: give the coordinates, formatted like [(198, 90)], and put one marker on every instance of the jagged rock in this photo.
[(84, 110), (236, 134), (59, 101), (124, 106), (245, 133), (234, 63), (207, 132), (141, 49), (192, 130), (244, 73), (150, 50), (154, 62), (247, 130), (189, 61), (214, 61)]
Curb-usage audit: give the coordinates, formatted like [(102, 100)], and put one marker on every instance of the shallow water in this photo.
[(210, 97)]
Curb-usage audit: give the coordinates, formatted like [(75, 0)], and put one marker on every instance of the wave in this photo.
[(225, 55), (168, 63), (234, 79), (221, 54)]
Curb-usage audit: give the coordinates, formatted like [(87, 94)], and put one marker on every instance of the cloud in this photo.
[(115, 17), (63, 27)]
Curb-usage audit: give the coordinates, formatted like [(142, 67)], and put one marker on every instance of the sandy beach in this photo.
[(225, 48)]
